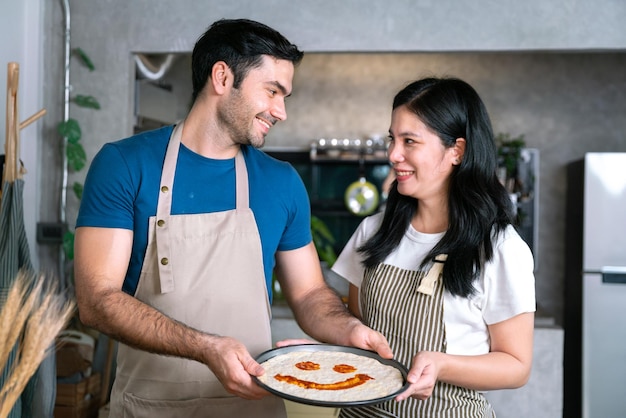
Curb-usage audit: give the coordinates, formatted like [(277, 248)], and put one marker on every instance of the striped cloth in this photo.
[(37, 400)]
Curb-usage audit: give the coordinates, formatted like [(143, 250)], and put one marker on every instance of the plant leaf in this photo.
[(318, 227), (86, 101), (323, 240), (78, 190), (70, 129), (76, 156), (509, 151), (84, 58), (68, 245), (328, 255)]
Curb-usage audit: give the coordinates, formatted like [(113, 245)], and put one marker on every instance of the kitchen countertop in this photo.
[(281, 312)]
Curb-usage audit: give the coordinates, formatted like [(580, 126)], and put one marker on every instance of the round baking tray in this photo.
[(338, 348)]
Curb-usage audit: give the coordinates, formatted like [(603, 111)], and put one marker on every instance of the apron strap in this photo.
[(427, 285), (241, 178), (164, 209)]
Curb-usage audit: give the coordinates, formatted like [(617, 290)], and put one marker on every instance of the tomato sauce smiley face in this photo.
[(343, 368), (308, 365), (353, 381)]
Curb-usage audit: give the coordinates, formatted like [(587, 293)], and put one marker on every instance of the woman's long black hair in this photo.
[(478, 205)]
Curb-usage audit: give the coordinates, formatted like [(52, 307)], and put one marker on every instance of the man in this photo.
[(179, 231)]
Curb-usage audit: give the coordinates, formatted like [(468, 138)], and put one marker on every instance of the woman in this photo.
[(442, 273)]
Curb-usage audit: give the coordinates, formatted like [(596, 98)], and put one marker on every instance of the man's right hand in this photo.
[(234, 367)]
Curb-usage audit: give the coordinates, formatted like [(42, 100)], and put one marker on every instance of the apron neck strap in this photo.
[(427, 285), (164, 204), (241, 176)]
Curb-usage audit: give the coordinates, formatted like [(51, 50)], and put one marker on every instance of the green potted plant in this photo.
[(509, 152), (74, 150), (509, 158), (323, 240)]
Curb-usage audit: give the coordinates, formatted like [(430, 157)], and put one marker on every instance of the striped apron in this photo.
[(407, 307), (37, 398)]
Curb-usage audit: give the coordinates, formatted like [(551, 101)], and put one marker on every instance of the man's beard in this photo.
[(256, 142), (233, 118)]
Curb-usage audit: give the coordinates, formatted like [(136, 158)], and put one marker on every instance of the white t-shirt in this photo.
[(505, 289)]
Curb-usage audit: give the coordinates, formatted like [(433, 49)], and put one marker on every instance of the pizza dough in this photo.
[(330, 376)]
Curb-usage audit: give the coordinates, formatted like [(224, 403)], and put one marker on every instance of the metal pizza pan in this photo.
[(266, 355)]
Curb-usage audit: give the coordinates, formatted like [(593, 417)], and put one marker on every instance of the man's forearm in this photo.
[(323, 316), (140, 326)]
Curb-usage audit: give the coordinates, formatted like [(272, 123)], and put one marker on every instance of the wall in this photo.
[(25, 49), (553, 71)]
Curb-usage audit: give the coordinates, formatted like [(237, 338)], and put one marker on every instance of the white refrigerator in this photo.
[(595, 288)]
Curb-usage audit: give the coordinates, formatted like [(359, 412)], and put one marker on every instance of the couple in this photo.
[(180, 230)]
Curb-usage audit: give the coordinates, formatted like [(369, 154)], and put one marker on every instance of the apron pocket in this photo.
[(136, 407)]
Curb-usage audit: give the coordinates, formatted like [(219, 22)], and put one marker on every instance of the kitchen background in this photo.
[(546, 71), (552, 71)]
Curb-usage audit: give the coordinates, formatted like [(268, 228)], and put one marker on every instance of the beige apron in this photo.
[(407, 307), (206, 271)]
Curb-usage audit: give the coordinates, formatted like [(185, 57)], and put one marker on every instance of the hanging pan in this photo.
[(361, 197)]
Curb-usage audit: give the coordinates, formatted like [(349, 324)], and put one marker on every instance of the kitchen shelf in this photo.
[(350, 158)]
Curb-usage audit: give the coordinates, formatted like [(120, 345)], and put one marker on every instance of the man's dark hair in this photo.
[(241, 44)]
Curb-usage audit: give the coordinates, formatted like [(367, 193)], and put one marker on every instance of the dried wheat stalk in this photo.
[(14, 314), (33, 316)]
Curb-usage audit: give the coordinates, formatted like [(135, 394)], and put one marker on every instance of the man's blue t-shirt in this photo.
[(122, 188)]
